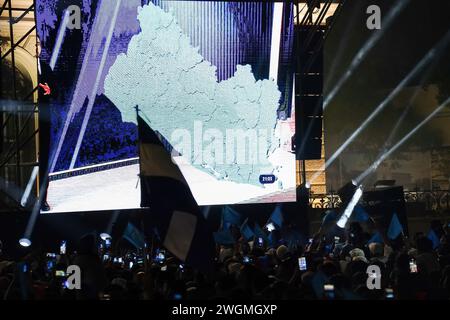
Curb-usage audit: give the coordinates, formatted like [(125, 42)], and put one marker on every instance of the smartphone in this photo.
[(160, 256), (302, 263), (49, 266), (260, 242), (60, 273), (412, 266), (389, 294), (270, 227), (246, 260), (63, 247), (108, 243), (328, 290)]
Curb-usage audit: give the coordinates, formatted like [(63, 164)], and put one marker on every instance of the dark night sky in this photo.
[(416, 30)]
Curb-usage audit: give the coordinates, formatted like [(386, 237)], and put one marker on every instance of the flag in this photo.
[(376, 238), (230, 217), (177, 217), (434, 238), (272, 241), (224, 237), (134, 236), (246, 231), (277, 216), (395, 227), (259, 232), (330, 216), (359, 214)]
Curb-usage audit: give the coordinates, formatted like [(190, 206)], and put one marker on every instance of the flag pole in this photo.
[(139, 179)]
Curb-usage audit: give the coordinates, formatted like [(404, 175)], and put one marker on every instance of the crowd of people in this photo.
[(323, 268)]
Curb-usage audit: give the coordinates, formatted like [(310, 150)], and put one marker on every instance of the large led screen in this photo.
[(213, 79)]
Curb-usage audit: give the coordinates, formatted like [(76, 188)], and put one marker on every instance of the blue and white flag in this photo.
[(180, 223), (377, 238), (134, 236), (359, 214), (230, 217), (434, 238), (395, 227), (277, 216), (246, 231)]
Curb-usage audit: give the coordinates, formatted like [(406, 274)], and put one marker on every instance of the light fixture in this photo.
[(104, 236), (25, 242)]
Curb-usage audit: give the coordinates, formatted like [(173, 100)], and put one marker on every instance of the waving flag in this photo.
[(395, 227), (178, 218), (359, 214), (230, 217), (434, 238), (134, 236), (376, 238), (277, 216), (246, 231), (259, 232)]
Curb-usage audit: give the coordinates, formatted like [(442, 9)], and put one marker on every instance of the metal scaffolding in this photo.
[(313, 16), (18, 109)]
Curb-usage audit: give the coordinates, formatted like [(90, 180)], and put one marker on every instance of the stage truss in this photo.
[(18, 104)]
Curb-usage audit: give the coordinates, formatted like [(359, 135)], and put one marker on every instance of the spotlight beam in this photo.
[(375, 165), (26, 193), (349, 209), (59, 40), (362, 53), (91, 102), (430, 56), (402, 117)]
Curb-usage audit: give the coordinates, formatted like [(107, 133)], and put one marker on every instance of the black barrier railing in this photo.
[(436, 200)]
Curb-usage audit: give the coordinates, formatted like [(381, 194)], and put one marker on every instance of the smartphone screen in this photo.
[(60, 273), (260, 242), (302, 263), (389, 293), (160, 256), (412, 266), (50, 265), (329, 291), (62, 247)]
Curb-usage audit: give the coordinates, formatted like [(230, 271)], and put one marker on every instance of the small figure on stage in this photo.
[(44, 131)]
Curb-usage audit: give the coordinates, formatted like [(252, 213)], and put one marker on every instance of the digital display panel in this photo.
[(213, 79)]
